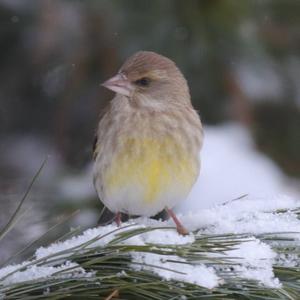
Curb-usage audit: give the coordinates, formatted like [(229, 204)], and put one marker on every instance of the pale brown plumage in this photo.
[(148, 141)]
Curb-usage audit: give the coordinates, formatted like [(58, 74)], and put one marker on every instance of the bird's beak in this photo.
[(119, 84)]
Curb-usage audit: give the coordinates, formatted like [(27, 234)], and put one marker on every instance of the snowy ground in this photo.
[(255, 258), (232, 167)]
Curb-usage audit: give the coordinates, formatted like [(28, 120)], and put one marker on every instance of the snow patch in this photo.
[(254, 259), (34, 272), (247, 215), (176, 268), (231, 166)]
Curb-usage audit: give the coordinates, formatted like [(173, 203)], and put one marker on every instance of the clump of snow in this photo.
[(176, 268), (99, 235), (161, 237), (26, 271), (247, 215), (256, 260)]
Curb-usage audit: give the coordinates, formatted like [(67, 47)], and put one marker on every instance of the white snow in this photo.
[(256, 260), (179, 270), (254, 257), (34, 272), (247, 215), (231, 167)]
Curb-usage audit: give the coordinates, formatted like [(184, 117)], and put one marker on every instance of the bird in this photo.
[(147, 145)]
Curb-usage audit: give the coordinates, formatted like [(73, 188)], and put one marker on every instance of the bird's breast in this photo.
[(153, 166)]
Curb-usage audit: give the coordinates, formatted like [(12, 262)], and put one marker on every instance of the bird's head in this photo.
[(147, 76)]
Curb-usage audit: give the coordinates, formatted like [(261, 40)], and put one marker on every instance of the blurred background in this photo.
[(242, 62)]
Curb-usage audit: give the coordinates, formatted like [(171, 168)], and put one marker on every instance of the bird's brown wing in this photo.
[(95, 142)]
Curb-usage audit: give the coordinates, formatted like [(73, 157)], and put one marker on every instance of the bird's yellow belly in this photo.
[(148, 173)]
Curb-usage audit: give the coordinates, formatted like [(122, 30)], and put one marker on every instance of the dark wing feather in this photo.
[(95, 146)]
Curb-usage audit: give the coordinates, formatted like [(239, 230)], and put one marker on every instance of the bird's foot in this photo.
[(180, 228), (118, 219)]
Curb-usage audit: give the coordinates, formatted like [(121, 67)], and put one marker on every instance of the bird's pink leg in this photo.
[(180, 228), (118, 219)]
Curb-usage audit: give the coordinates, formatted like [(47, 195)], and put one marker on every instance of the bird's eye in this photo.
[(143, 81)]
